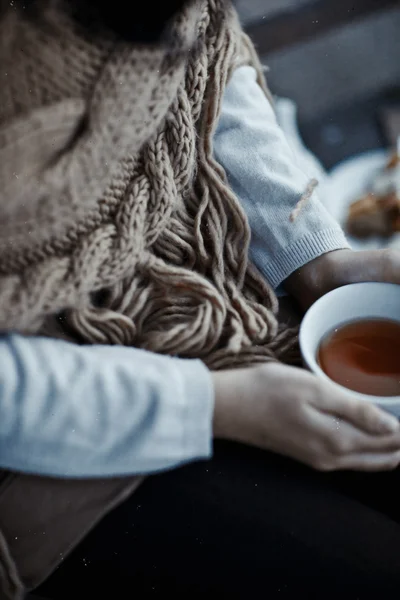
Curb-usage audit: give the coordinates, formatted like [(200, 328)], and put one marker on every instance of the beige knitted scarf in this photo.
[(117, 225), (115, 218)]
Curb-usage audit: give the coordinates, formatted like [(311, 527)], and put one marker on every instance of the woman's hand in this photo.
[(291, 412), (335, 269)]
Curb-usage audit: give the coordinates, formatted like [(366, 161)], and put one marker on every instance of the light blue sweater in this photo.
[(267, 177), (92, 411)]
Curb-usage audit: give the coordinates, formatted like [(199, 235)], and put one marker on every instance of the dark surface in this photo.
[(351, 130), (346, 132), (310, 20), (246, 525)]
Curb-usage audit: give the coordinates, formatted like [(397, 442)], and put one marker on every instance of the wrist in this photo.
[(222, 399), (229, 390), (322, 275)]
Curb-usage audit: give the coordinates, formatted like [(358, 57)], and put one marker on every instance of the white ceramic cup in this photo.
[(349, 303)]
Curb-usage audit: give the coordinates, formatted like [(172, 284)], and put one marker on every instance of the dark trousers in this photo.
[(246, 525)]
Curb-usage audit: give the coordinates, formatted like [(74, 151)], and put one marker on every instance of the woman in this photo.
[(120, 227)]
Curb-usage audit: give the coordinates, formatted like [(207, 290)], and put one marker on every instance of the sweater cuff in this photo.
[(198, 392), (295, 256)]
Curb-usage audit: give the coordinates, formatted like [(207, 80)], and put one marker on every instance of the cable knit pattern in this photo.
[(114, 214), (117, 225), (117, 222)]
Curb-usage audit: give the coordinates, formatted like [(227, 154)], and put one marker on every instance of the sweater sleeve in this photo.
[(99, 411), (264, 173)]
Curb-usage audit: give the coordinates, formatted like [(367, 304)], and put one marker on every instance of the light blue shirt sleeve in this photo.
[(90, 411), (267, 178), (98, 411)]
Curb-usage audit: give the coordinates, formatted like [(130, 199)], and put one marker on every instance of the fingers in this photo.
[(372, 265), (370, 462), (385, 265), (363, 415), (343, 438), (344, 447)]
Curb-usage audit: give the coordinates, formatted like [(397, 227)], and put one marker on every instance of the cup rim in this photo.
[(311, 361)]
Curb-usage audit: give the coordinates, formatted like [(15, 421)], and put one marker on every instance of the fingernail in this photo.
[(389, 424)]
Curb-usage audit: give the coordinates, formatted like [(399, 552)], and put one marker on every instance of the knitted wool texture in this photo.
[(116, 222), (114, 215)]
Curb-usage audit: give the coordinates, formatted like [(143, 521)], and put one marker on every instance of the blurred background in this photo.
[(339, 60)]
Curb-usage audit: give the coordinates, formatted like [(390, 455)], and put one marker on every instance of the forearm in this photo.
[(96, 411)]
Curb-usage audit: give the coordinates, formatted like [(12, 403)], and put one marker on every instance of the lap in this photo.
[(243, 523)]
